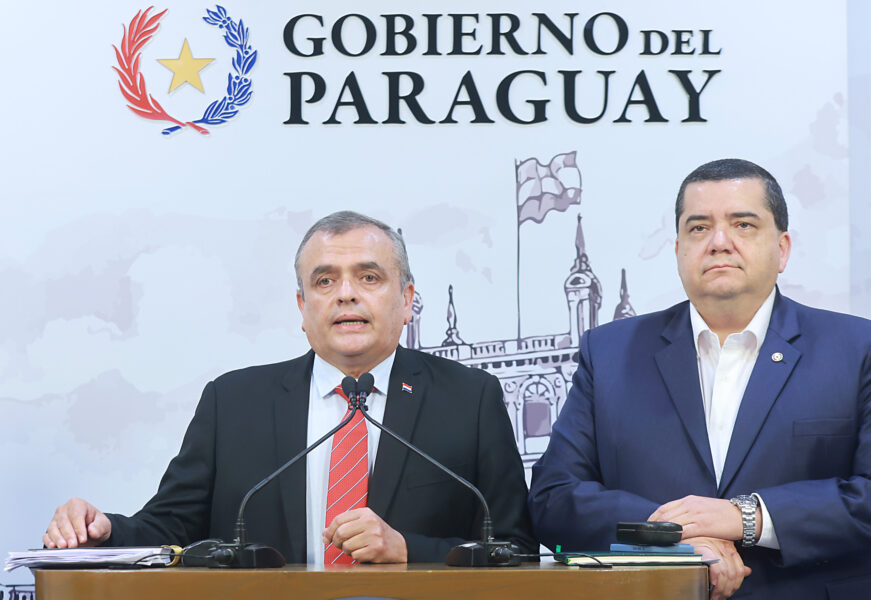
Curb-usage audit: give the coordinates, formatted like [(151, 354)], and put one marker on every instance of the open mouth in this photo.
[(350, 321)]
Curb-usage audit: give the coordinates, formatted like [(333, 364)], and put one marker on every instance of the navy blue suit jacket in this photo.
[(632, 436)]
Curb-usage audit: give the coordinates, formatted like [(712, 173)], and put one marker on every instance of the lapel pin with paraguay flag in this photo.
[(406, 387)]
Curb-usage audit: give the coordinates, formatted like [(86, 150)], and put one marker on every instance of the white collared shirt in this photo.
[(325, 410), (723, 375)]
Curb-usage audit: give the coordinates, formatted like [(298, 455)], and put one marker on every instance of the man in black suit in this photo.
[(355, 295)]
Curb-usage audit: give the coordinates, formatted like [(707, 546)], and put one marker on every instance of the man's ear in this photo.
[(300, 302), (407, 302), (785, 244)]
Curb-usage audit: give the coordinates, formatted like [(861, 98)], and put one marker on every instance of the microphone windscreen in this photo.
[(349, 386), (366, 383)]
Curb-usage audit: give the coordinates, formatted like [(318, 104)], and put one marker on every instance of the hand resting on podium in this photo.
[(77, 523)]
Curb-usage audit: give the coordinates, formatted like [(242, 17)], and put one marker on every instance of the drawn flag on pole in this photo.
[(543, 188)]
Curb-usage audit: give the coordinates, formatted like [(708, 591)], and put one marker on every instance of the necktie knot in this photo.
[(338, 389)]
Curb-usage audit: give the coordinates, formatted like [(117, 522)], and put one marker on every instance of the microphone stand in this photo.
[(239, 554), (484, 553)]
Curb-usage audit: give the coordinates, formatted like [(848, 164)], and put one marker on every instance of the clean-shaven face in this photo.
[(353, 309), (728, 246)]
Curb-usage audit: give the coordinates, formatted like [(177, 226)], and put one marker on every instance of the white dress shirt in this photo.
[(325, 410), (723, 374)]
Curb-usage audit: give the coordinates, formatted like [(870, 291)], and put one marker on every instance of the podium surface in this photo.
[(409, 582)]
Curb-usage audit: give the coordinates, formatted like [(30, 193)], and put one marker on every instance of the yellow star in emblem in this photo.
[(185, 68)]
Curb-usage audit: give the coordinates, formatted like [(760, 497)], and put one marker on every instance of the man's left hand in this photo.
[(366, 537), (701, 516), (728, 572)]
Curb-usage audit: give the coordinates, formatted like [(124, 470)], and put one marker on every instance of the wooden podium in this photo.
[(408, 582)]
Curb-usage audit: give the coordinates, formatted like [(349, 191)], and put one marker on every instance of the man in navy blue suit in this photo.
[(740, 414)]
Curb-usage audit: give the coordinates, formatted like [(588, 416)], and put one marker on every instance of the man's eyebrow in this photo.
[(369, 266), (692, 218), (362, 266), (744, 215), (320, 270)]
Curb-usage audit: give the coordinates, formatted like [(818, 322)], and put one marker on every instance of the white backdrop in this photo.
[(134, 266)]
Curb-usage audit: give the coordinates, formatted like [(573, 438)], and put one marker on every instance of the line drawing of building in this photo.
[(536, 371)]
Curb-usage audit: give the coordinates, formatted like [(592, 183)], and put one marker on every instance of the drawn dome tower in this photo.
[(412, 330), (583, 291), (452, 334), (624, 310)]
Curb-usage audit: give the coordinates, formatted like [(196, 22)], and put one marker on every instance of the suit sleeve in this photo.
[(180, 510), (501, 479), (820, 519), (568, 503)]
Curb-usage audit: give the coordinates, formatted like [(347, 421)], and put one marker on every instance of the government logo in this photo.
[(185, 71)]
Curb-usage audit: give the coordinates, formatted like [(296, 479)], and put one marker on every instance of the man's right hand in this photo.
[(77, 523), (728, 574)]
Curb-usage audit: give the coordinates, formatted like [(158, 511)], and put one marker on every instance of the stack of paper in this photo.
[(88, 558), (593, 559)]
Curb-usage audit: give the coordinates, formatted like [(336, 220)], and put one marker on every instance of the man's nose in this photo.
[(721, 241), (347, 291)]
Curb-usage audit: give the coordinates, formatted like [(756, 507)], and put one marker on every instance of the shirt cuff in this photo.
[(768, 537)]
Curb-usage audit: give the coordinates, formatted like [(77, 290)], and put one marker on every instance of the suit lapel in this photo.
[(291, 429), (679, 369), (400, 415), (765, 384)]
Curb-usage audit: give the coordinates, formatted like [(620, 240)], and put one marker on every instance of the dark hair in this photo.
[(736, 168), (346, 220)]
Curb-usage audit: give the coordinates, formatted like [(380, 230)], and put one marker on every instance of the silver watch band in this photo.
[(747, 505)]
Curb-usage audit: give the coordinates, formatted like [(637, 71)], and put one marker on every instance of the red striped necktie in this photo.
[(349, 476)]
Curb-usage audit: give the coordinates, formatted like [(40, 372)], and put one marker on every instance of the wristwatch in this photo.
[(747, 505)]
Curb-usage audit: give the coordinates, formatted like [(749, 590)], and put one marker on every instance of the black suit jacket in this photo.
[(249, 422)]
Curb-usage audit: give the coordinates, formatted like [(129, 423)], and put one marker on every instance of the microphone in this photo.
[(349, 386), (240, 554), (487, 552)]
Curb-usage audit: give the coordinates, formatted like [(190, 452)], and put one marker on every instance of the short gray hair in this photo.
[(343, 222)]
